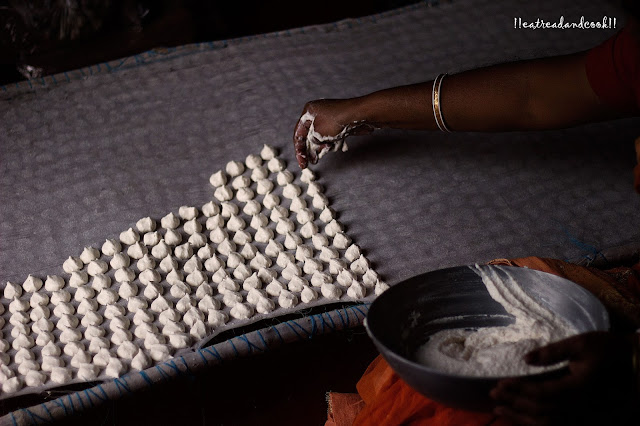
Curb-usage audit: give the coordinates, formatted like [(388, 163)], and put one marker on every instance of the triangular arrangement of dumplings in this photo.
[(266, 244)]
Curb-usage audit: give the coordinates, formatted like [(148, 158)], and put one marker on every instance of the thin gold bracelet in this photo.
[(436, 103)]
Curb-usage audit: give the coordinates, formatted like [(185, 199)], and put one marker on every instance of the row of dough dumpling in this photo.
[(257, 298)]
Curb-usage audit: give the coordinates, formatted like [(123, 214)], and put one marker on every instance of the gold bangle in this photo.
[(436, 103)]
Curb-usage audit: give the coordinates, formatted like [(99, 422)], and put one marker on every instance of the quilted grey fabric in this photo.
[(83, 160)]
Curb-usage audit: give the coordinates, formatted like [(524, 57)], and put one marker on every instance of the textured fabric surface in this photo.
[(81, 161)]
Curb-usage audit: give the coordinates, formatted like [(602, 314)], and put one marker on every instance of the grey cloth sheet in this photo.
[(81, 161)]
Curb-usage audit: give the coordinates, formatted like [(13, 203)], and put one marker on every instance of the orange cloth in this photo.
[(347, 405), (384, 399), (390, 401)]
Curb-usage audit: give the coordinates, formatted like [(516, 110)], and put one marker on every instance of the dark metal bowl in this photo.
[(402, 319)]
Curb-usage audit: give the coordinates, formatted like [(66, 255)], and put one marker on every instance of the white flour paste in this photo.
[(497, 351)]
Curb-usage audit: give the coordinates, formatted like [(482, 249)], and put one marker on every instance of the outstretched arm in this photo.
[(537, 94)]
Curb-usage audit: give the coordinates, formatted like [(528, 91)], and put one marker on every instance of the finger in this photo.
[(556, 352), (361, 129), (322, 146), (300, 142)]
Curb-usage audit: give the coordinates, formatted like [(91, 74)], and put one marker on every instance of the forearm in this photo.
[(538, 94)]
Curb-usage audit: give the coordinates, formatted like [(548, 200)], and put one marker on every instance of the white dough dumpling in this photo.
[(241, 311), (245, 194), (291, 190), (146, 224), (188, 212), (275, 165), (330, 291), (151, 238), (89, 254), (307, 176), (229, 209), (170, 221), (234, 168), (284, 177), (264, 187), (111, 247), (54, 283), (252, 161), (72, 264), (258, 173), (268, 152), (130, 236), (270, 201), (223, 193), (32, 284), (219, 178), (210, 209)]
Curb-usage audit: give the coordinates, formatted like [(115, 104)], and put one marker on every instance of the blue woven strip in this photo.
[(234, 347), (274, 328), (313, 325), (103, 392), (250, 345), (89, 398), (337, 311), (78, 394), (73, 407), (302, 328), (264, 342), (146, 378), (346, 314), (357, 308), (97, 396), (45, 408), (36, 419), (172, 364), (333, 324), (204, 358), (186, 366), (211, 350), (163, 373), (122, 384), (294, 330)]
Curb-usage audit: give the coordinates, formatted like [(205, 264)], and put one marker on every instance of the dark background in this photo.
[(42, 37)]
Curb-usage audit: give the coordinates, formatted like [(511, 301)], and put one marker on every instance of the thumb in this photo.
[(555, 352)]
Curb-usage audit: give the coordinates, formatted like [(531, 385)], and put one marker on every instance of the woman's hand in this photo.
[(324, 125), (600, 380)]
